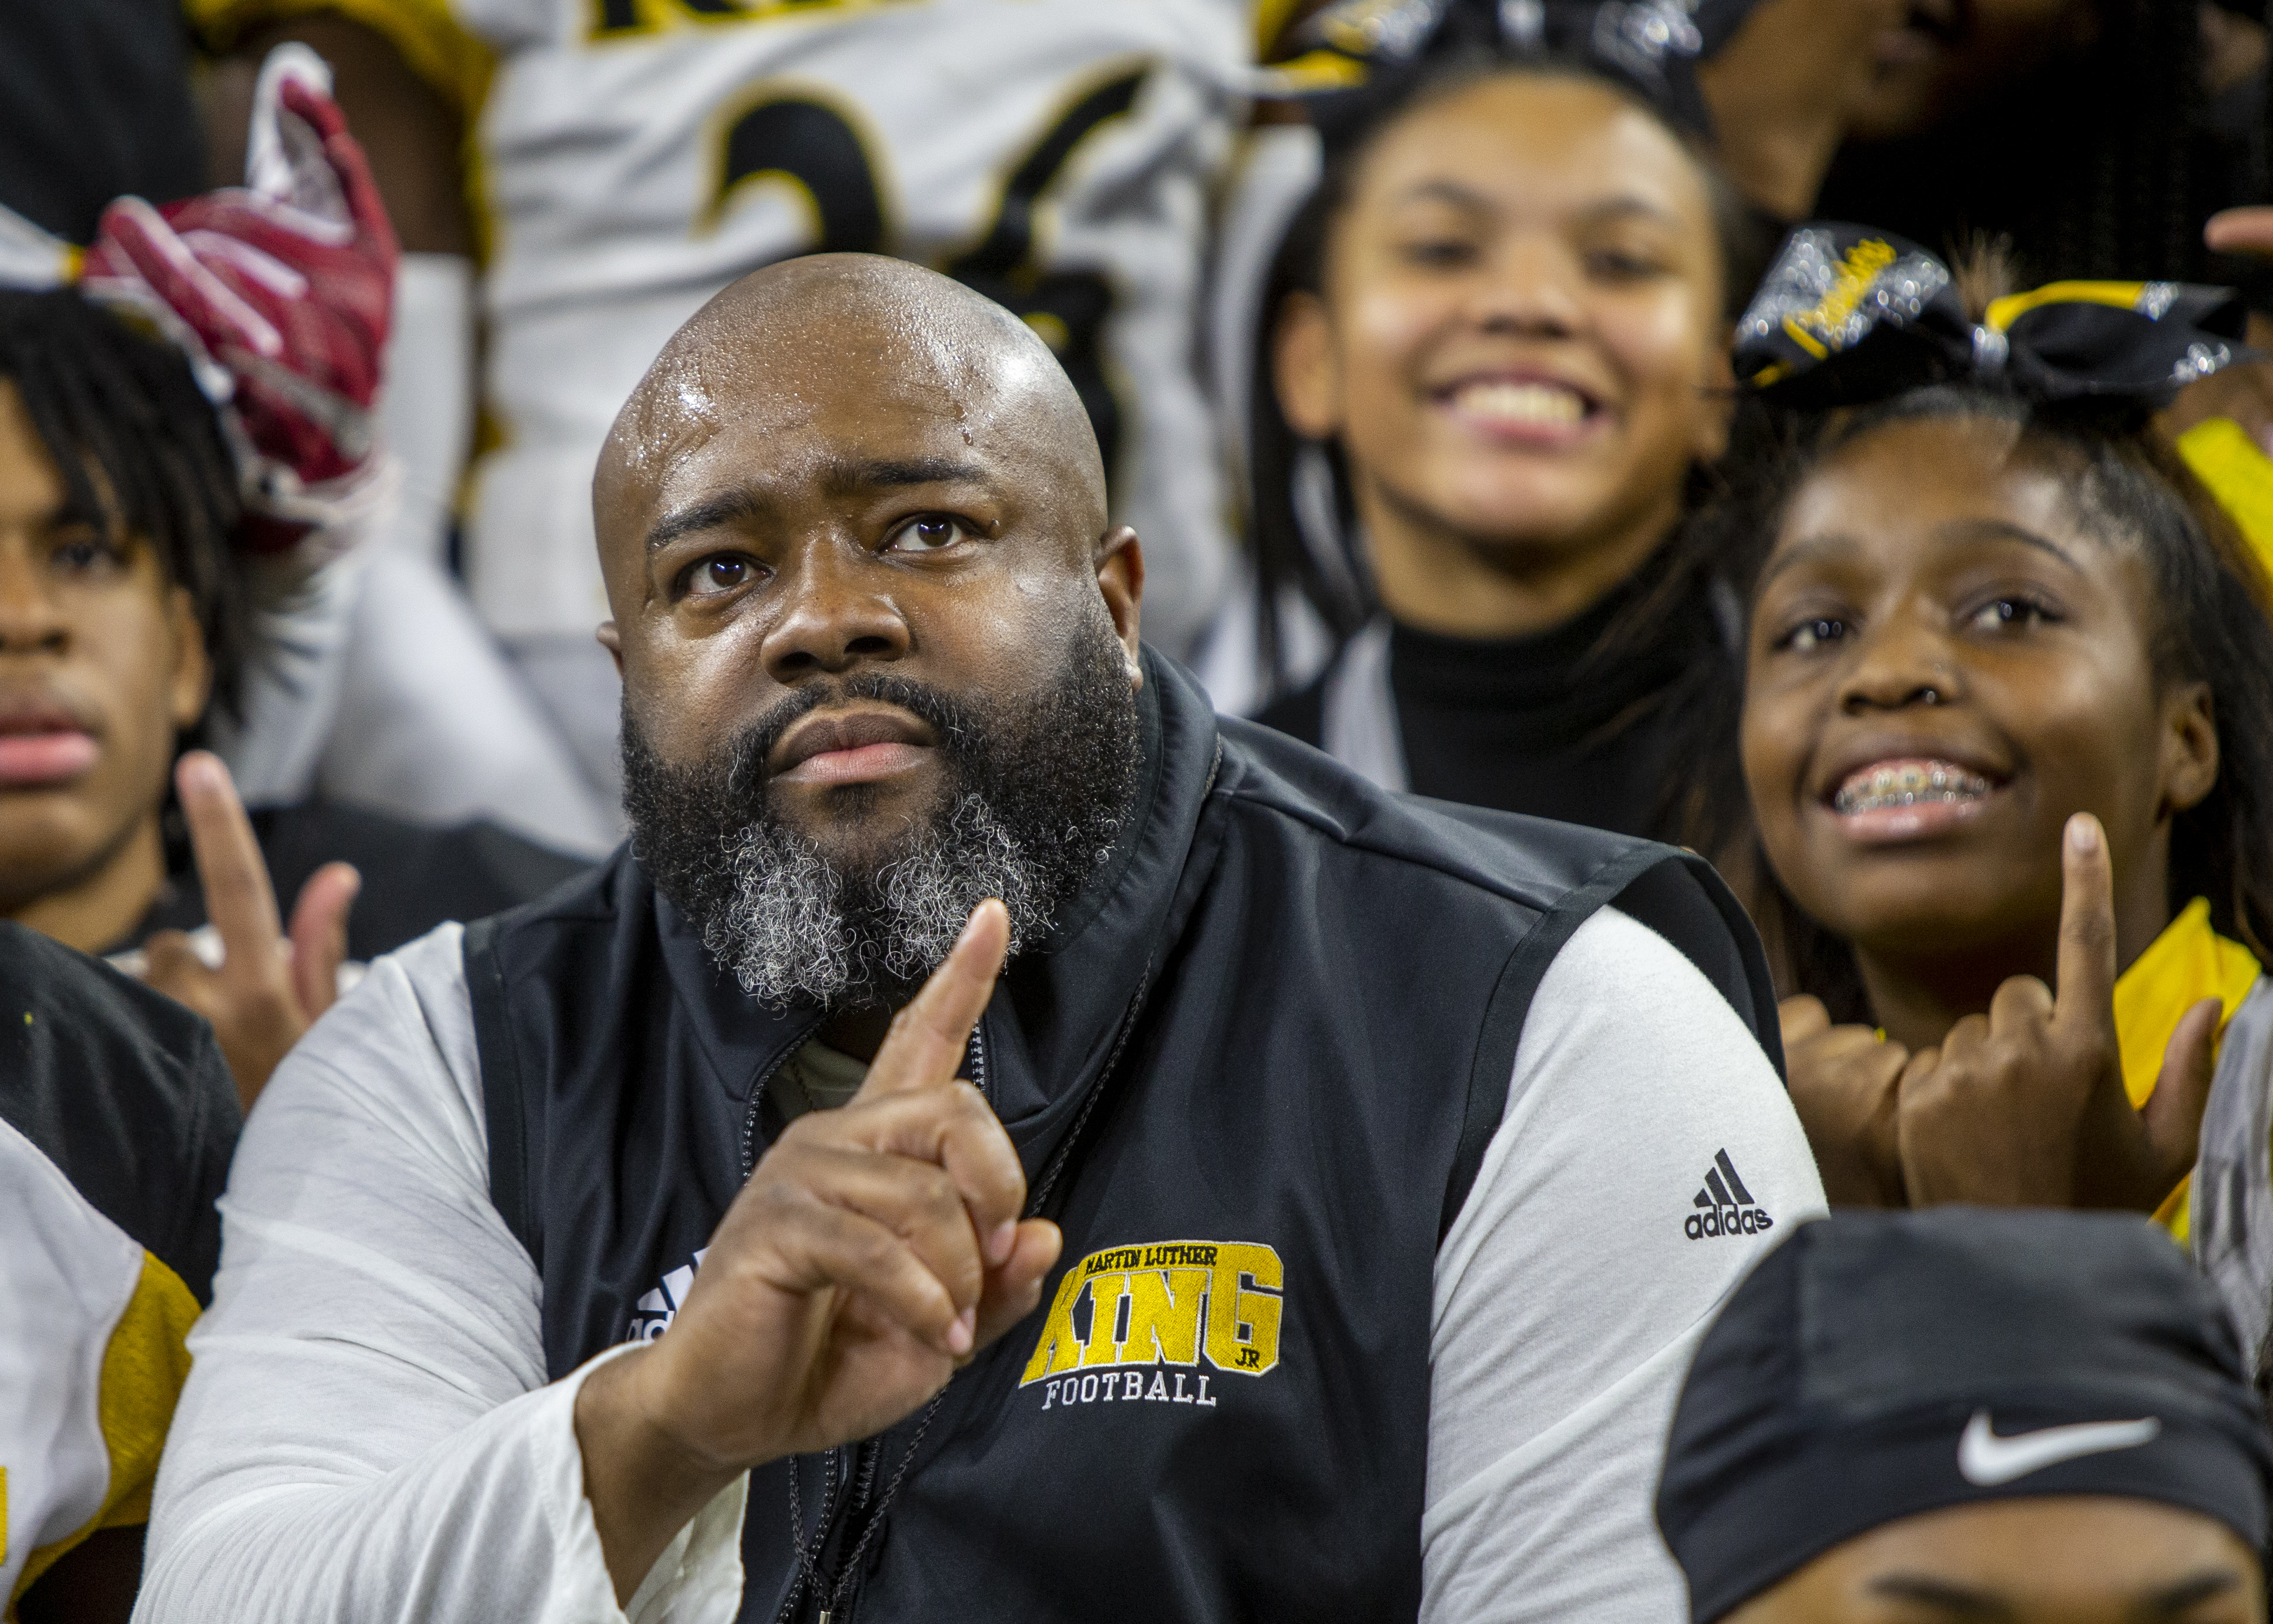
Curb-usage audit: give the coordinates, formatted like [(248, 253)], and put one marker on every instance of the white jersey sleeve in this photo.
[(1647, 1158), (367, 1432)]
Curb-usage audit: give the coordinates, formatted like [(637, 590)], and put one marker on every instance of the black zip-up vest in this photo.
[(1253, 1078)]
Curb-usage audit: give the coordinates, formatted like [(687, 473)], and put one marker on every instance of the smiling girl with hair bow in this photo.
[(2000, 778)]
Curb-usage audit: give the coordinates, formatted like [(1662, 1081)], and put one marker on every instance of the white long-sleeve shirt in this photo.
[(367, 1434)]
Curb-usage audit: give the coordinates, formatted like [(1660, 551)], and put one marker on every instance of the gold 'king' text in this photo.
[(1126, 1318)]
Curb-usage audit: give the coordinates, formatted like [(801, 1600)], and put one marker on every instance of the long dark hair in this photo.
[(1317, 553), (2210, 608), (139, 449)]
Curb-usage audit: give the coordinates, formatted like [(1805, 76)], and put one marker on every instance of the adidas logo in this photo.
[(652, 1314), (1724, 1205)]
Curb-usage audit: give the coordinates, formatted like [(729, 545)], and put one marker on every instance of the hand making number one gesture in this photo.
[(875, 1248), (2023, 1106), (269, 986)]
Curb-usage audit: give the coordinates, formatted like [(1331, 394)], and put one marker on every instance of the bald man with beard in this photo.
[(1001, 1142)]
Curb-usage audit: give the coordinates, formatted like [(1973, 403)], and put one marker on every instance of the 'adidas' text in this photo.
[(1724, 1207)]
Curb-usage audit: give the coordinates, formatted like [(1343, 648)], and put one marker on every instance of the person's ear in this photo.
[(1303, 370), (613, 641), (2190, 755), (1120, 578), (190, 685), (1719, 404)]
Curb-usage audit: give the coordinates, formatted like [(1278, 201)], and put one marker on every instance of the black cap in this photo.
[(1877, 1366)]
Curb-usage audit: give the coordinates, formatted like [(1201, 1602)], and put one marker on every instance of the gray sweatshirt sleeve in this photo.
[(367, 1434), (1573, 1287)]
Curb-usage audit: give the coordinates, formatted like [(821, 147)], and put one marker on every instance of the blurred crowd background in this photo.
[(568, 180)]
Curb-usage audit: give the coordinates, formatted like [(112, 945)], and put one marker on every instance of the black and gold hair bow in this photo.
[(1847, 315), (1648, 44)]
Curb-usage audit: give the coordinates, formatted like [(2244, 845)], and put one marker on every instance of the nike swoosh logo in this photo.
[(1986, 1460)]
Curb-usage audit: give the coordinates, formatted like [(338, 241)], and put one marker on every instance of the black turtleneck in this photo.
[(1534, 724)]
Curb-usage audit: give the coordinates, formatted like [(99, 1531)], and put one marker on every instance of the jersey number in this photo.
[(811, 145), (808, 144)]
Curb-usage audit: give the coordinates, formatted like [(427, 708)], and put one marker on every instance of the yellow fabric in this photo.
[(654, 16), (143, 1366), (2187, 963), (432, 42), (2236, 472), (2002, 313), (1312, 71), (1270, 19)]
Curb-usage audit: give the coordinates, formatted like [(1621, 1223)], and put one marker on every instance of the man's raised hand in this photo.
[(2025, 1106), (875, 1249), (926, 1044)]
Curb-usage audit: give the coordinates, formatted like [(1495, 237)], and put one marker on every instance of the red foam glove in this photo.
[(283, 296)]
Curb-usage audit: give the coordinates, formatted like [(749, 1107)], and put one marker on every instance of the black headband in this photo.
[(1847, 315), (1353, 53)]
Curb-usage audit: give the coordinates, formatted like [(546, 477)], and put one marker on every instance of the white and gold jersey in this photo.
[(631, 157), (91, 1361), (117, 1120)]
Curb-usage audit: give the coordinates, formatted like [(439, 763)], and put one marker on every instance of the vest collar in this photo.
[(740, 1039), (1057, 1012)]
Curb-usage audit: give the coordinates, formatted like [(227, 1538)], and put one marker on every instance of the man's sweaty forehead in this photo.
[(801, 332)]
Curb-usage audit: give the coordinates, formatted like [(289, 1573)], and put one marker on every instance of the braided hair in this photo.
[(137, 443)]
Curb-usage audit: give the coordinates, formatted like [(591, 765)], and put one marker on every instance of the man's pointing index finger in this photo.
[(925, 1047)]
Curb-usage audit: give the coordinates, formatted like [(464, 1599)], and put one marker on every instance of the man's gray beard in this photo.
[(1036, 789), (787, 932)]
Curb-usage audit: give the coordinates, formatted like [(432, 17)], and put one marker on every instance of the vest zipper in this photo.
[(836, 1594), (758, 1090), (845, 1459), (757, 1099), (829, 1610)]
